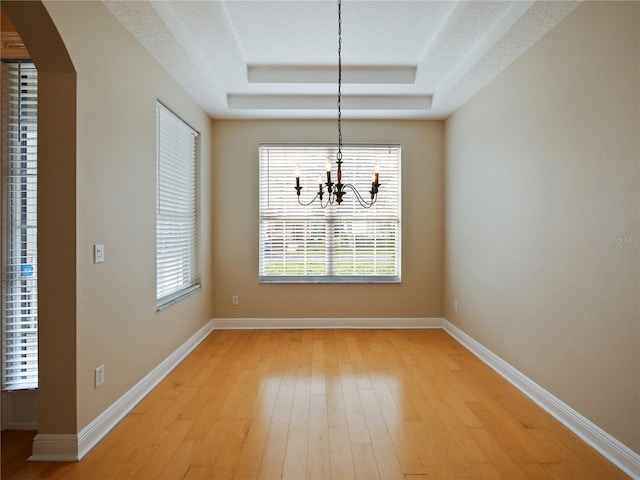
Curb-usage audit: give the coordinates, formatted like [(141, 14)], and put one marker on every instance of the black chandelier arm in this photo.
[(312, 200), (363, 203), (332, 197), (323, 204)]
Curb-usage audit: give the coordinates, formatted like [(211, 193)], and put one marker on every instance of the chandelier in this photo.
[(337, 190)]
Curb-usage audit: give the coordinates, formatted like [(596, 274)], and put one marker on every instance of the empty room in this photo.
[(323, 239)]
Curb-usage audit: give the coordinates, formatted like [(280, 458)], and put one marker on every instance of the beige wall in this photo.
[(542, 215), (235, 224), (116, 322)]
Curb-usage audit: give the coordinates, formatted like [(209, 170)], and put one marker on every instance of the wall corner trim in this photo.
[(616, 452), (321, 323), (71, 448)]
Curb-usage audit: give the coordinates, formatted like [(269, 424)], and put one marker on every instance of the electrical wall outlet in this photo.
[(234, 300), (99, 376), (455, 305)]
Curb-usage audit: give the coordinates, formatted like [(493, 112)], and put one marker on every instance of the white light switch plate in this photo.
[(98, 253)]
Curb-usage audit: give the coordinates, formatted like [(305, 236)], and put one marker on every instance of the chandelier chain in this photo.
[(339, 155)]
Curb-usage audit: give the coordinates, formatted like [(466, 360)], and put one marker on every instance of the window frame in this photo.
[(188, 282), (333, 278)]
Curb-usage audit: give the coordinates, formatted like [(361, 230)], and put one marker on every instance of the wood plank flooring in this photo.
[(331, 404)]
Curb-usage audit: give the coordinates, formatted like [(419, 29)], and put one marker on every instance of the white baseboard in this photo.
[(54, 448), (71, 448), (320, 323), (21, 426), (619, 454)]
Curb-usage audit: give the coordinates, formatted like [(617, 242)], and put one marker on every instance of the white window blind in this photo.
[(19, 212), (176, 212), (342, 243)]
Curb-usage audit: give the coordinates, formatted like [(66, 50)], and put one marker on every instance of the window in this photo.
[(19, 229), (341, 243), (176, 211)]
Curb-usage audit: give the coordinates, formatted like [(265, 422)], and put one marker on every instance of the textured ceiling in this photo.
[(278, 59)]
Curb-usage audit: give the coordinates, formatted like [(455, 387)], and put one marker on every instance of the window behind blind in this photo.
[(176, 209), (342, 243), (19, 228)]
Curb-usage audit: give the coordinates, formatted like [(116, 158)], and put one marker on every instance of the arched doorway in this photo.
[(56, 222)]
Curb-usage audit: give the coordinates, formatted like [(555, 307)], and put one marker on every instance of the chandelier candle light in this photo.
[(338, 190)]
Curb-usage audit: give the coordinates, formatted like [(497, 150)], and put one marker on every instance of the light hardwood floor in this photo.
[(333, 404)]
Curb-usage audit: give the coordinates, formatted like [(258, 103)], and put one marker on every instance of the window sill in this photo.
[(328, 279), (169, 300)]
